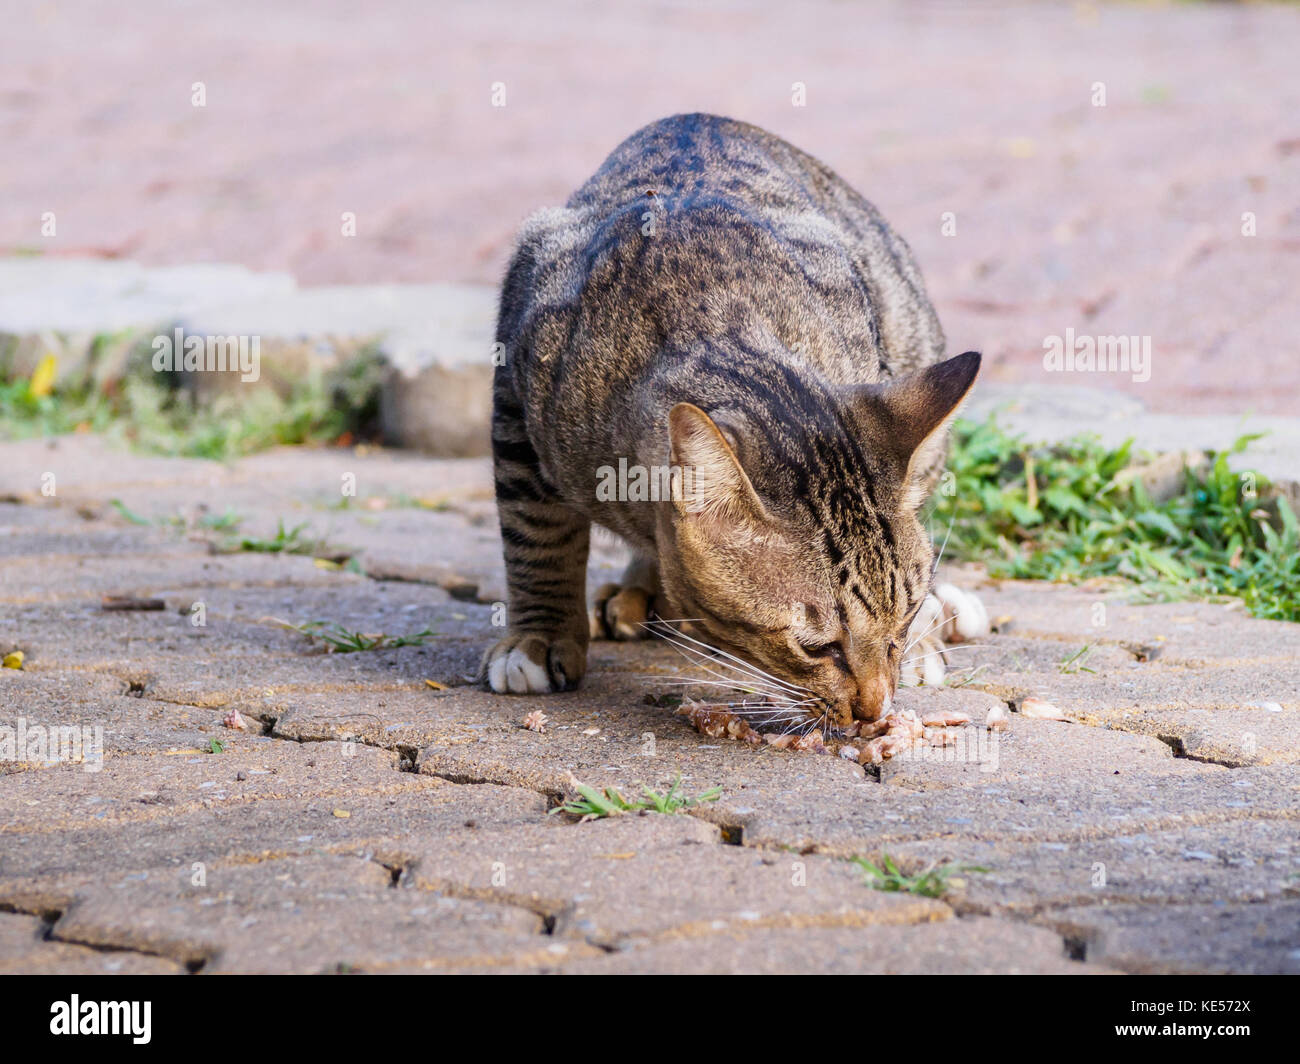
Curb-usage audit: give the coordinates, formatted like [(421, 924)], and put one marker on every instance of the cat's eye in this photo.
[(833, 651)]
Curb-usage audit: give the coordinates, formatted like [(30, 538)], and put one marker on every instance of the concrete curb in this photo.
[(436, 340)]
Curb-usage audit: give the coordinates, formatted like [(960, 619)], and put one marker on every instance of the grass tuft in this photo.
[(931, 882), (345, 641), (593, 804), (1061, 512)]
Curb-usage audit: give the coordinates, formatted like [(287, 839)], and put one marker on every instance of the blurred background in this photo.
[(1097, 165)]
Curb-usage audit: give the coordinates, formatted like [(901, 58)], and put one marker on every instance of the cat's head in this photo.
[(797, 546)]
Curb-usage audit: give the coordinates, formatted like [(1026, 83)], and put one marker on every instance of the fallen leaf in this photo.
[(42, 382), (14, 660), (435, 685), (342, 813)]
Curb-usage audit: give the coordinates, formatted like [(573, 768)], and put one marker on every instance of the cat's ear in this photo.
[(714, 485), (910, 416)]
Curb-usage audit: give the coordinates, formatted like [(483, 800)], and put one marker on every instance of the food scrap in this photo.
[(867, 742), (536, 721), (234, 719), (1039, 709)]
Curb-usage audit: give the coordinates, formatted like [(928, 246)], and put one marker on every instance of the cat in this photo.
[(719, 311)]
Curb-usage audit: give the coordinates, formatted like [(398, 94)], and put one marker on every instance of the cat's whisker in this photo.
[(706, 662), (937, 624), (740, 709), (935, 568), (748, 665), (733, 686), (945, 650), (736, 682)]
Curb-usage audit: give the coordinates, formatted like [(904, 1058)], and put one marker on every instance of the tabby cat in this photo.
[(716, 303)]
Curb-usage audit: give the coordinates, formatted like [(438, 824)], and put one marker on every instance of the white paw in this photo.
[(964, 615), (534, 665)]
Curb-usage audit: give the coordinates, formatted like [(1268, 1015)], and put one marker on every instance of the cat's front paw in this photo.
[(533, 664), (621, 612)]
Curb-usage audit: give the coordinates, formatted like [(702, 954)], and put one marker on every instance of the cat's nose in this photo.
[(875, 696)]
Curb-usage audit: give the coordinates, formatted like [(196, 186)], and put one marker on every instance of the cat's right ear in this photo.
[(714, 486), (911, 415)]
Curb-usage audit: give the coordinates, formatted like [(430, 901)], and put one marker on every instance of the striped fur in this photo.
[(715, 299)]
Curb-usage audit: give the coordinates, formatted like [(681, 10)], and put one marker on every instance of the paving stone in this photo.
[(24, 950), (140, 789), (103, 718), (865, 819), (77, 540), (314, 914), (252, 622), (88, 579), (1234, 861), (85, 470), (1261, 939), (631, 744), (1233, 737), (316, 476), (608, 887), (1231, 714), (975, 945), (42, 868), (1030, 749), (1177, 633), (1149, 686)]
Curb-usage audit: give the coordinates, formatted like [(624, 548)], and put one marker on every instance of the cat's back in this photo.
[(690, 158), (697, 220)]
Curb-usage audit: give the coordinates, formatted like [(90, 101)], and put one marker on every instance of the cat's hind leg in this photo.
[(545, 544), (621, 611)]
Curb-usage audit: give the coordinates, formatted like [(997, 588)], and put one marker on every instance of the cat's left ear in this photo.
[(716, 488), (909, 418)]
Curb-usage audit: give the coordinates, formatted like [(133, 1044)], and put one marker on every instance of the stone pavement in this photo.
[(367, 821)]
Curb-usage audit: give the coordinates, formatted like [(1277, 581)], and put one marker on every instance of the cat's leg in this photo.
[(545, 545), (622, 610), (948, 616)]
